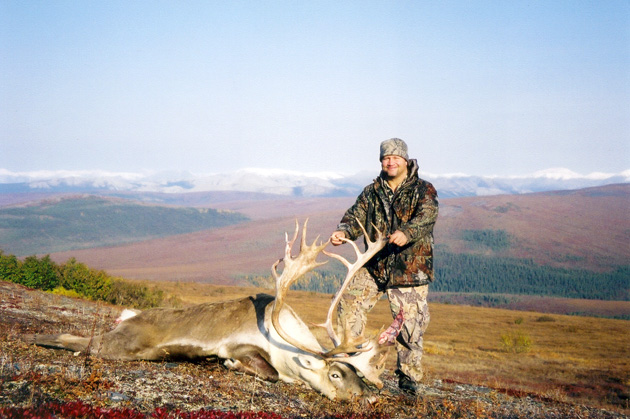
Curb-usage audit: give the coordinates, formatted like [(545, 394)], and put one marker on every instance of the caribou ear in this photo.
[(310, 362)]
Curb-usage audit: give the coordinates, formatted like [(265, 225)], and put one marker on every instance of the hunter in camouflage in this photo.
[(404, 206)]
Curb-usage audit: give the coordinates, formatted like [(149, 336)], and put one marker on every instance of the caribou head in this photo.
[(366, 356)]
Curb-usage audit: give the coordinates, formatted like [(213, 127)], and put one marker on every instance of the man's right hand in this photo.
[(336, 238)]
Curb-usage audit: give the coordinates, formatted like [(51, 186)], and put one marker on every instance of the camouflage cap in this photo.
[(394, 147)]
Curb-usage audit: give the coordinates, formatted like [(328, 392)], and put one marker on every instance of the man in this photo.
[(405, 208)]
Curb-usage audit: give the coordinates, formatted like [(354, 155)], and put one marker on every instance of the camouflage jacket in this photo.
[(412, 209)]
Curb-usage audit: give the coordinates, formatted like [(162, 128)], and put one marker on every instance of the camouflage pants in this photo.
[(361, 296)]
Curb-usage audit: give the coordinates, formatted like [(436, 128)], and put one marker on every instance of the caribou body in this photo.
[(259, 335)]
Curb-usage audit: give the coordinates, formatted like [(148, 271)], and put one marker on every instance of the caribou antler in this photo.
[(294, 268), (368, 360), (351, 344)]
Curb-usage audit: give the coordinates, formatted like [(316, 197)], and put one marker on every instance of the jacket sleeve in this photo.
[(421, 224), (358, 211)]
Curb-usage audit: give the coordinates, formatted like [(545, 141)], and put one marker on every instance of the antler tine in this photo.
[(289, 243), (294, 268), (287, 251), (351, 345)]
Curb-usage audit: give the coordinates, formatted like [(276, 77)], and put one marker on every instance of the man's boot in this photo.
[(407, 385)]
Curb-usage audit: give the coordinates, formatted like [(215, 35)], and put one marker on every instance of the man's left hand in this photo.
[(398, 238)]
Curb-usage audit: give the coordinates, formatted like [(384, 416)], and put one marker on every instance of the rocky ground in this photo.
[(36, 380)]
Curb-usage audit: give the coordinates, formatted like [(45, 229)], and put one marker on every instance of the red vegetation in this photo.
[(84, 411)]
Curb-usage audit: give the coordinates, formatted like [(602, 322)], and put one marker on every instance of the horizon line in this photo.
[(40, 174)]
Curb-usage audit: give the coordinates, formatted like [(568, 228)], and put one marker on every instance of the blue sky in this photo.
[(477, 87)]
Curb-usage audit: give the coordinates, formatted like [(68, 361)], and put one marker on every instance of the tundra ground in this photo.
[(479, 363)]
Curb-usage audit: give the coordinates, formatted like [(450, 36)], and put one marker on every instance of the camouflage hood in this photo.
[(412, 209)]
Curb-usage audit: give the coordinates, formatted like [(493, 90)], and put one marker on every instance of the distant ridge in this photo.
[(571, 243), (77, 222), (290, 183)]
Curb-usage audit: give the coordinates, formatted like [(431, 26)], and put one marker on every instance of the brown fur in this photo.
[(238, 331)]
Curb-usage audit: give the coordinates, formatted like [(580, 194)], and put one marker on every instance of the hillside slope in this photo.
[(587, 229), (75, 222), (220, 256)]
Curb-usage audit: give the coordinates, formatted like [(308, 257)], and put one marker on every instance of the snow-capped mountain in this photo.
[(292, 183)]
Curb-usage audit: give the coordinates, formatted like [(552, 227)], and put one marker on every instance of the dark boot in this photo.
[(407, 385)]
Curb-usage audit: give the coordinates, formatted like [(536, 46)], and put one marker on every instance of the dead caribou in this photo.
[(259, 335)]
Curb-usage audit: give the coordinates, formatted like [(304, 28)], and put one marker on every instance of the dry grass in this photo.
[(578, 358), (569, 359), (573, 365)]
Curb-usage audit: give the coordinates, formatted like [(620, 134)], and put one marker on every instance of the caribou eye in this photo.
[(335, 375)]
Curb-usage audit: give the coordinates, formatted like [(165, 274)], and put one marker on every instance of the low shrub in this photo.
[(38, 273), (66, 293), (133, 295), (91, 283), (516, 342), (75, 279)]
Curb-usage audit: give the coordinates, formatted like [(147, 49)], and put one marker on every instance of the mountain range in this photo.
[(291, 183)]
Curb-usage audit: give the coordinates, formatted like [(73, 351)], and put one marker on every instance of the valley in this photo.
[(584, 229)]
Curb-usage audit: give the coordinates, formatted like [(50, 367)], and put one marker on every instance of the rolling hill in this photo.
[(75, 222), (554, 239)]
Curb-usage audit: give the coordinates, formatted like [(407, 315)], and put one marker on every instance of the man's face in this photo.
[(394, 166)]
